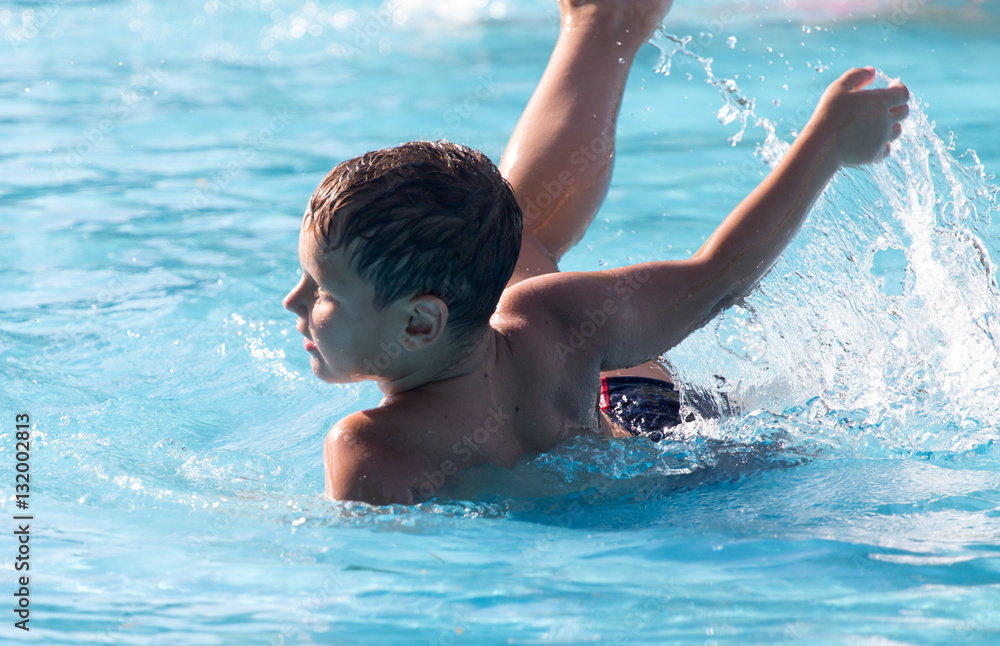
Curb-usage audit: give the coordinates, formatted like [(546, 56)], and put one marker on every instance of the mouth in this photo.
[(307, 343)]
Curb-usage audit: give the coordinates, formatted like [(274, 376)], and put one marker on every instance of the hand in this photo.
[(862, 123), (633, 21)]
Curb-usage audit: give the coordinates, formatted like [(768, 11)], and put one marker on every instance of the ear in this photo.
[(427, 318)]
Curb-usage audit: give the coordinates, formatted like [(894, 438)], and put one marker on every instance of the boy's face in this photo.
[(344, 333)]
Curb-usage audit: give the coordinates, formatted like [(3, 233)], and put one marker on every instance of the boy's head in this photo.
[(423, 218)]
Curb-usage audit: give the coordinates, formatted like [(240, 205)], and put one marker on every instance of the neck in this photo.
[(478, 356)]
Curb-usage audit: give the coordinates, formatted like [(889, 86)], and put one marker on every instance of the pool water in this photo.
[(157, 160)]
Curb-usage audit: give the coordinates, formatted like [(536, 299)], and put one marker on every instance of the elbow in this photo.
[(727, 301), (733, 279)]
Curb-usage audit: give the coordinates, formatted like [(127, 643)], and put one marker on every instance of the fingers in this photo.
[(857, 78), (900, 112), (897, 130), (898, 95), (894, 98)]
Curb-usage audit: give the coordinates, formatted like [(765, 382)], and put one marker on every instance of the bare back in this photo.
[(525, 396)]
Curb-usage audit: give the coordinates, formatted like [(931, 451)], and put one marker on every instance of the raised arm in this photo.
[(647, 309), (561, 153), (850, 127)]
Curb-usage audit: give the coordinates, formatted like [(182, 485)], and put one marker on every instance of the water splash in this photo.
[(879, 329), (877, 333), (735, 104)]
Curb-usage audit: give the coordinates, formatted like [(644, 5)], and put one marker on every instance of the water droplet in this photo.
[(727, 114), (731, 41)]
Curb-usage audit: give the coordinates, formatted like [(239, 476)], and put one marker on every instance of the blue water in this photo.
[(157, 158)]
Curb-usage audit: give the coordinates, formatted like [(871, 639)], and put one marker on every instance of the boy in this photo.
[(414, 273)]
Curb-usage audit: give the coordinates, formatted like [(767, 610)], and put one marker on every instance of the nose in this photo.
[(293, 299)]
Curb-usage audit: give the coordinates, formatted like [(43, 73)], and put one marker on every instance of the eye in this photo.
[(311, 284), (314, 290), (321, 294)]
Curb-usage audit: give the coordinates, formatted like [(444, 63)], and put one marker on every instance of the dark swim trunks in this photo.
[(644, 407)]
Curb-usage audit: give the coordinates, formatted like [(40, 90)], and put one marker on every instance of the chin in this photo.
[(343, 374), (339, 377), (321, 370)]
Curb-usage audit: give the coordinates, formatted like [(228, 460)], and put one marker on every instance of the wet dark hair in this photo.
[(425, 217)]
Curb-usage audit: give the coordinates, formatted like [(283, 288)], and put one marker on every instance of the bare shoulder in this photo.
[(619, 318), (558, 295), (361, 463), (538, 303), (527, 318), (560, 311)]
